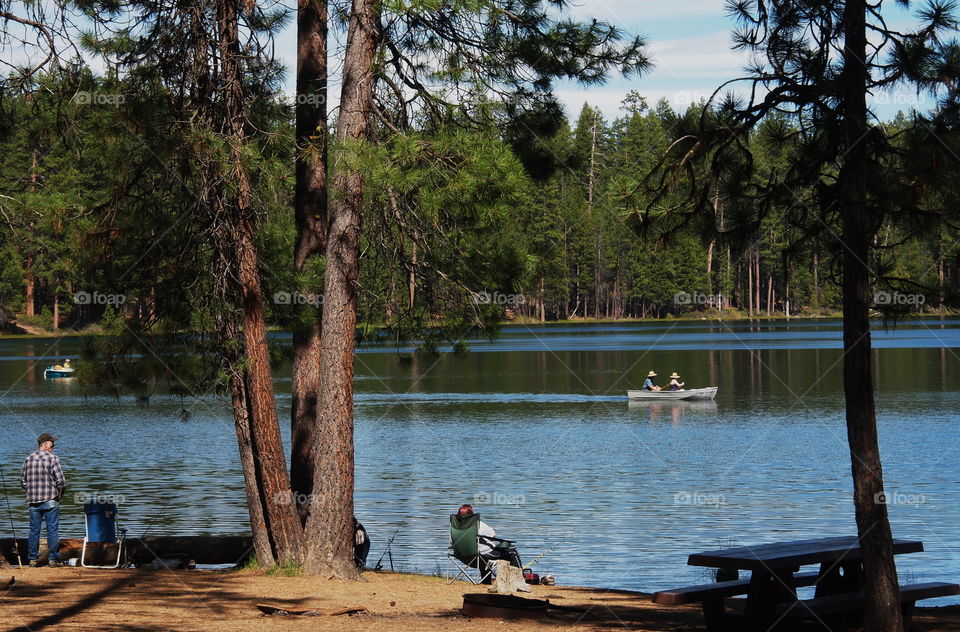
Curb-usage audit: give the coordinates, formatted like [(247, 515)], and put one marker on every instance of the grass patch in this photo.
[(287, 568), (249, 564)]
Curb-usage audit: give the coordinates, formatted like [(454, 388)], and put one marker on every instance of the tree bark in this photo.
[(758, 282), (709, 274), (30, 287), (262, 546), (882, 593), (330, 524), (258, 428), (412, 279), (310, 214)]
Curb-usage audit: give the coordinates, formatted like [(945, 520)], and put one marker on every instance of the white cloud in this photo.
[(645, 14), (703, 56)]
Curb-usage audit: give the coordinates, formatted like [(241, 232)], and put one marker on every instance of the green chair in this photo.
[(465, 548)]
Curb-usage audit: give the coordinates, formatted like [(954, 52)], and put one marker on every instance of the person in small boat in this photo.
[(649, 384), (675, 383)]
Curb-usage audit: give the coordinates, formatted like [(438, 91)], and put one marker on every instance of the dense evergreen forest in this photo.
[(525, 221)]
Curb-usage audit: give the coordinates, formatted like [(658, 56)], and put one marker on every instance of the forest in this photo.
[(531, 220)]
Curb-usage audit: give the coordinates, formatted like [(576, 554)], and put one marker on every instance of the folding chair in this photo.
[(100, 526), (465, 548)]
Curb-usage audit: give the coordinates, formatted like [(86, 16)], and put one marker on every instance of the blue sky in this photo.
[(689, 42)]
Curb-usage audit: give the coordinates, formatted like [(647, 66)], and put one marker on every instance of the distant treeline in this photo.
[(539, 221)]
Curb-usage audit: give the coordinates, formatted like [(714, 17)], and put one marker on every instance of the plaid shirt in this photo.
[(41, 477)]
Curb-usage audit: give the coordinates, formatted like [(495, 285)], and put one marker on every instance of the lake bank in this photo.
[(34, 332), (187, 601)]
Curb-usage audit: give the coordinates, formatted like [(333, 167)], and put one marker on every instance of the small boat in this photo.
[(685, 394), (59, 371)]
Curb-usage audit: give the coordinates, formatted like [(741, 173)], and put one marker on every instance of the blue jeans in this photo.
[(48, 511)]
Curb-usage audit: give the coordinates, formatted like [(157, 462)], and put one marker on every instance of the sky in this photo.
[(689, 42)]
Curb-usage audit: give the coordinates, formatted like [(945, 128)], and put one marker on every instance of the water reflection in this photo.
[(671, 411)]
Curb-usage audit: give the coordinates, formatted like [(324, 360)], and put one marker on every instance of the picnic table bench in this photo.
[(771, 590)]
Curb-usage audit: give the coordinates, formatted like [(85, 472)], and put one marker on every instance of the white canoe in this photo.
[(690, 393)]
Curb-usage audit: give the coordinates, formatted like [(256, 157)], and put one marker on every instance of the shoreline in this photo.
[(187, 601), (38, 334)]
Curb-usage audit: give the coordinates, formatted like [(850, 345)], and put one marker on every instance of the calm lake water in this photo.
[(535, 431)]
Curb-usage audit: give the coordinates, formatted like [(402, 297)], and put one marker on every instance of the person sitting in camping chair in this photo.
[(475, 543)]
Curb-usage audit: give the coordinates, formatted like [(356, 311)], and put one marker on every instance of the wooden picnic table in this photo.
[(771, 590), (772, 567)]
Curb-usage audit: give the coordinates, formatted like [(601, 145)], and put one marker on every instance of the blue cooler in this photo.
[(101, 522)]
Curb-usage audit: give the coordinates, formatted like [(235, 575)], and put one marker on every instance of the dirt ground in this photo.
[(90, 599)]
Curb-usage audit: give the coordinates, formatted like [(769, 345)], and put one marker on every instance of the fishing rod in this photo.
[(16, 543), (543, 555), (155, 518), (387, 552)]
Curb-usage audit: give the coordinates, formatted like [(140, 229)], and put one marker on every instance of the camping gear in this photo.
[(100, 523)]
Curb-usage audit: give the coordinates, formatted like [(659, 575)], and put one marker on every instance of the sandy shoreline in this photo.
[(90, 599)]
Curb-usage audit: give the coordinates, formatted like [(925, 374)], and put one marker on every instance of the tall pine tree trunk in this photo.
[(880, 574), (252, 381), (310, 213), (330, 524)]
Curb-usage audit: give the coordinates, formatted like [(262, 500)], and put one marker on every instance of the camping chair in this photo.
[(465, 548), (100, 526)]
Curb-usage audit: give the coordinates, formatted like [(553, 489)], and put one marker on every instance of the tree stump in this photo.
[(509, 579)]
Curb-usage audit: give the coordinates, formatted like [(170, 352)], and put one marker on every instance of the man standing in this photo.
[(42, 479)]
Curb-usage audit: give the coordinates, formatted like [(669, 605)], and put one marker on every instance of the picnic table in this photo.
[(771, 588)]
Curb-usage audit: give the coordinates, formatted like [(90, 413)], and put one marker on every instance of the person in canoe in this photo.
[(675, 383), (649, 384)]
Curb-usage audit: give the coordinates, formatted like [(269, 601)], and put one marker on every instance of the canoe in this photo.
[(687, 394), (52, 372)]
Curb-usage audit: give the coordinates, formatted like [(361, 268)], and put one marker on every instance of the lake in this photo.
[(535, 431)]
